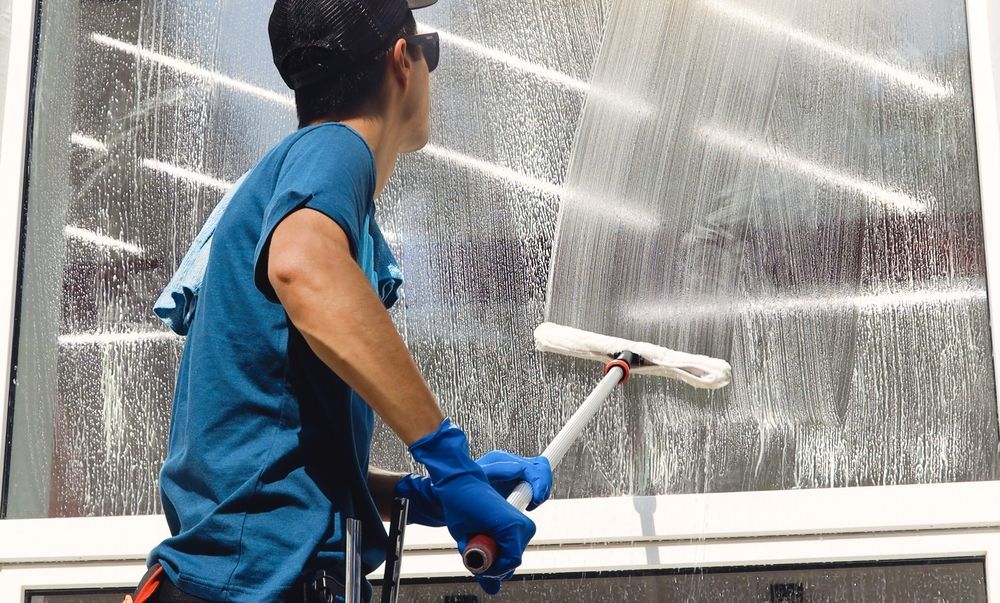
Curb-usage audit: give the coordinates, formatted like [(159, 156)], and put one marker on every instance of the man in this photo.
[(292, 349)]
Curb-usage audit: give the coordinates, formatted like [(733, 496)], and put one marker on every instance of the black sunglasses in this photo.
[(429, 45)]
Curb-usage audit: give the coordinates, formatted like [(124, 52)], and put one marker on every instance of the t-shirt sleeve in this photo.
[(333, 179)]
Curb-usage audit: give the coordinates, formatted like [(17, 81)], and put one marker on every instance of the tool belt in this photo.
[(155, 587), (323, 587)]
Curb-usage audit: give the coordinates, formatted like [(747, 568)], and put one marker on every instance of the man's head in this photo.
[(355, 58)]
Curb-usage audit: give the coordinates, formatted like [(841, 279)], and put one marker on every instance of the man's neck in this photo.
[(379, 136)]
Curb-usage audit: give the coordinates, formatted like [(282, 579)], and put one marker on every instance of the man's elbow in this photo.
[(303, 273), (299, 273), (305, 247), (285, 271)]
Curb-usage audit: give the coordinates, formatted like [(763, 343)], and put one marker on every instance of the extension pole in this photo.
[(481, 551)]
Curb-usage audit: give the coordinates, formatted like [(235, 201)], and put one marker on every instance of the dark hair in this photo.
[(346, 93)]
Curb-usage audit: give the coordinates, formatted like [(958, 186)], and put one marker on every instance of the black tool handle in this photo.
[(394, 554)]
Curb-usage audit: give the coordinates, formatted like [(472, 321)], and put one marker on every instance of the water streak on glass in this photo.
[(152, 108), (802, 201)]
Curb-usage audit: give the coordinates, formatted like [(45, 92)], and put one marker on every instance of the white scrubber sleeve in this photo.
[(695, 370)]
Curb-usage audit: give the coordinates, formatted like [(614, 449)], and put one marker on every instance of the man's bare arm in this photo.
[(330, 301)]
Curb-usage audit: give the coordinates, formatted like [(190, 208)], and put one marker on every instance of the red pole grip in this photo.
[(479, 554)]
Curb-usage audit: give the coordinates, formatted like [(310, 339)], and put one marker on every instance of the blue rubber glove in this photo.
[(425, 508), (504, 471), (470, 504)]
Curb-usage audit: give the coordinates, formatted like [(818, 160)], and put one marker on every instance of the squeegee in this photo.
[(623, 358)]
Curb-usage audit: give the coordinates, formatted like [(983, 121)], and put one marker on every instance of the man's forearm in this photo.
[(330, 301)]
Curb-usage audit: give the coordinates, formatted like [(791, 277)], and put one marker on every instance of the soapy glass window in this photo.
[(792, 187)]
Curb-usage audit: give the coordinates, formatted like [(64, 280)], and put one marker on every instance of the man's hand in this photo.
[(503, 470), (469, 503)]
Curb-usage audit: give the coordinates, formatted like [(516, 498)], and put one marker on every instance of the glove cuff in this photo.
[(424, 506), (445, 453), (412, 487)]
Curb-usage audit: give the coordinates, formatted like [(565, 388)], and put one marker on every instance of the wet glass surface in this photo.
[(859, 338), (146, 111), (794, 190), (939, 581)]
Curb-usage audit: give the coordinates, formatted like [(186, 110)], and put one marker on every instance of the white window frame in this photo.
[(626, 533), (13, 140)]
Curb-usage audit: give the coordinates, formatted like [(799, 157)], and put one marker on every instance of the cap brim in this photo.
[(413, 4)]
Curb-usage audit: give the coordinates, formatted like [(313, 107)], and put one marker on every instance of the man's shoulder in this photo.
[(329, 157)]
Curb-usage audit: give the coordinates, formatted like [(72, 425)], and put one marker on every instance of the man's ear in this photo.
[(402, 62)]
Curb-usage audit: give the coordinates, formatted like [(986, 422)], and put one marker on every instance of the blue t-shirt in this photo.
[(268, 449)]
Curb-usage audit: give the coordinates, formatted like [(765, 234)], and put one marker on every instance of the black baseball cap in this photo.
[(314, 39)]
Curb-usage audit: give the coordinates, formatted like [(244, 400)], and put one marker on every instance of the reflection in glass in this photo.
[(932, 580), (959, 580)]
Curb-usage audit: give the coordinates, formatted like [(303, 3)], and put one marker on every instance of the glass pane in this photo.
[(137, 131), (796, 193), (102, 596), (939, 581), (144, 112), (151, 108)]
